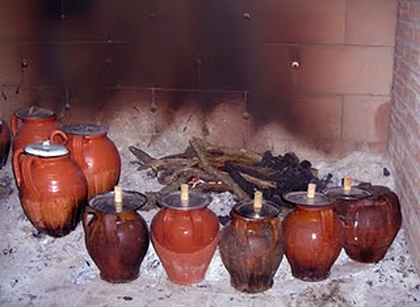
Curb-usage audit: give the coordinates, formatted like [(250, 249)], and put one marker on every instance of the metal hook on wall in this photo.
[(295, 64)]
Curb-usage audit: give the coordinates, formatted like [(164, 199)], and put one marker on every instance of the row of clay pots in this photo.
[(185, 235), (58, 168)]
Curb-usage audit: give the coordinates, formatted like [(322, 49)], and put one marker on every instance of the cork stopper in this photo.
[(311, 190), (184, 194), (347, 184), (258, 197), (118, 199)]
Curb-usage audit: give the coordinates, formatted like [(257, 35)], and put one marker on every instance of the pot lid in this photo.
[(34, 113), (84, 129), (301, 198), (195, 200), (340, 193), (246, 209), (131, 200), (46, 149)]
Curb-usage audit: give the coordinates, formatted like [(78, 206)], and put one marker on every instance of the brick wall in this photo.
[(404, 132)]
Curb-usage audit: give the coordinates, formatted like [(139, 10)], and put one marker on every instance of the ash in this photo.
[(43, 271)]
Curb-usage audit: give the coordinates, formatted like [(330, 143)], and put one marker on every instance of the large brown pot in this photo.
[(117, 242), (185, 237), (4, 143), (52, 187), (251, 246), (96, 154), (313, 236), (31, 125), (371, 218)]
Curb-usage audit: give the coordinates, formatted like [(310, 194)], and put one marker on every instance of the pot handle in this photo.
[(78, 151), (17, 167), (87, 223), (197, 226), (60, 134), (14, 120), (327, 222), (27, 173)]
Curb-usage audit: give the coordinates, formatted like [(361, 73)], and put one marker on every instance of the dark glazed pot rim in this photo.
[(84, 129), (36, 113), (338, 193), (132, 200)]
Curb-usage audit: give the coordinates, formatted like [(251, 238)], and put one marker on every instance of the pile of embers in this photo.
[(210, 168)]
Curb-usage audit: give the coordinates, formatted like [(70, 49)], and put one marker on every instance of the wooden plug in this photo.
[(118, 199)]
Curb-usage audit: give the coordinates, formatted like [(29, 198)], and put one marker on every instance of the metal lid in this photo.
[(339, 193), (246, 209), (84, 129), (46, 149), (301, 198), (105, 202), (34, 113), (195, 200)]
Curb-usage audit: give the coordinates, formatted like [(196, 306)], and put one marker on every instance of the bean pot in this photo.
[(95, 153), (185, 236), (313, 236), (371, 218), (31, 125), (4, 142), (52, 187), (251, 246), (116, 241)]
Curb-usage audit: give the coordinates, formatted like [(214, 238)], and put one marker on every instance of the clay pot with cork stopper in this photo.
[(31, 125), (371, 217), (116, 235), (185, 235), (95, 153), (52, 187), (313, 235), (251, 244)]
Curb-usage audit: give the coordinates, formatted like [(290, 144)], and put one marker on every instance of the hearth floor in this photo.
[(38, 270)]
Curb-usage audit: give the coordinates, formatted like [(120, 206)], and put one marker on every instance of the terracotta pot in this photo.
[(185, 237), (31, 125), (313, 236), (117, 242), (95, 153), (52, 187), (4, 143), (251, 246), (371, 221)]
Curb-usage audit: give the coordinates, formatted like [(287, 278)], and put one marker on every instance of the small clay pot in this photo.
[(4, 143), (95, 153), (251, 246), (371, 217), (313, 236), (116, 241), (185, 237), (31, 125), (52, 187)]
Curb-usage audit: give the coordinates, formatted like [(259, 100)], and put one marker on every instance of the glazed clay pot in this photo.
[(371, 218), (313, 236), (95, 153), (251, 246), (185, 237), (4, 143), (117, 242), (52, 187), (31, 125)]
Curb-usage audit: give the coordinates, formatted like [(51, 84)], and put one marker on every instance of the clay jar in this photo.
[(116, 241), (185, 236), (31, 125), (4, 142), (52, 187), (95, 153), (313, 236), (371, 218), (251, 246)]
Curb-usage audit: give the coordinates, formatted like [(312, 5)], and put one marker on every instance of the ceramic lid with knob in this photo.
[(34, 113), (346, 192), (257, 209), (84, 129), (185, 199), (131, 200), (308, 198), (46, 149)]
